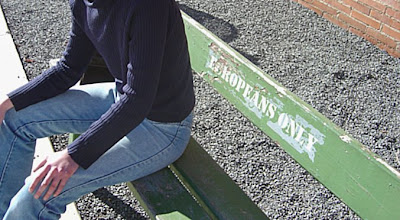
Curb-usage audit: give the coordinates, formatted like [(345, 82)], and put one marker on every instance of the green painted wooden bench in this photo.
[(195, 187)]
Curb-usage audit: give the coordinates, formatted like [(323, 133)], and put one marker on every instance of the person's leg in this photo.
[(148, 148), (72, 111)]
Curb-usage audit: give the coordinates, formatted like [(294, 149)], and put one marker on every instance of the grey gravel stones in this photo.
[(343, 76)]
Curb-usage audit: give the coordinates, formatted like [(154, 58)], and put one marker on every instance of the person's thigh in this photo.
[(71, 112), (148, 148)]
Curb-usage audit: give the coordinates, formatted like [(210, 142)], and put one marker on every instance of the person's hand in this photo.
[(55, 172), (5, 105)]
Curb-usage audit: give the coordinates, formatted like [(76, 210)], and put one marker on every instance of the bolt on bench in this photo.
[(195, 187)]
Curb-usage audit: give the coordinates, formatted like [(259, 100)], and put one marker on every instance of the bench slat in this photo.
[(212, 187), (164, 197)]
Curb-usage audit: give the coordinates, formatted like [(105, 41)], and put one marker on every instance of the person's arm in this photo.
[(146, 50), (59, 78)]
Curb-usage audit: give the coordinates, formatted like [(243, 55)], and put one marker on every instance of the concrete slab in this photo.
[(3, 24), (12, 75)]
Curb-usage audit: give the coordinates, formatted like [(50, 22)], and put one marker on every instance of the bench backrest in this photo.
[(358, 177)]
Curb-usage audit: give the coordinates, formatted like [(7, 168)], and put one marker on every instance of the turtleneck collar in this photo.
[(96, 3)]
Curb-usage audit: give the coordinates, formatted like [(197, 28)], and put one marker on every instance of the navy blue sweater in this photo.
[(144, 46)]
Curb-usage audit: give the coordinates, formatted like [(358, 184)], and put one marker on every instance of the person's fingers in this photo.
[(48, 178), (40, 174), (42, 163), (52, 187), (52, 174), (60, 187)]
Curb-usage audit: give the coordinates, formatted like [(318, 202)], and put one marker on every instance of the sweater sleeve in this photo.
[(59, 78), (146, 49)]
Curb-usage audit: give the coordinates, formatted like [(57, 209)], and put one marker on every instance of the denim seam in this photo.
[(17, 131), (7, 159), (139, 163)]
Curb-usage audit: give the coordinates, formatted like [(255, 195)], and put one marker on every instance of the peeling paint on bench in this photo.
[(358, 177)]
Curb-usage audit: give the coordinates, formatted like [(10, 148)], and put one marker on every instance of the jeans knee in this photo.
[(18, 126), (21, 206), (25, 206), (10, 119)]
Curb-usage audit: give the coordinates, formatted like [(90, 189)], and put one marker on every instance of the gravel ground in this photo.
[(344, 77)]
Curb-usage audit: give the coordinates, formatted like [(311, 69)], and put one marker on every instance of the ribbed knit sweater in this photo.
[(144, 46)]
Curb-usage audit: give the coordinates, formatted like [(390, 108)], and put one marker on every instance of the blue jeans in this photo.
[(148, 148)]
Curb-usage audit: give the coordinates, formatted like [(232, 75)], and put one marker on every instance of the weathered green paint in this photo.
[(72, 137), (216, 192), (358, 177), (163, 197), (173, 216), (207, 191)]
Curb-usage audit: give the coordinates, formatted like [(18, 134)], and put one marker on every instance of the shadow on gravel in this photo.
[(119, 206), (224, 30)]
